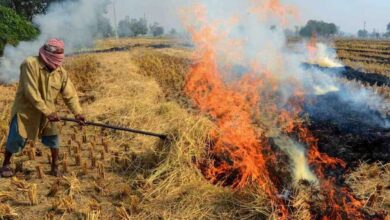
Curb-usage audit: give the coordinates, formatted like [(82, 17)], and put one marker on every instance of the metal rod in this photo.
[(89, 123)]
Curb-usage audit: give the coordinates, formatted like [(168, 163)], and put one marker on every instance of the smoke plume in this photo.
[(75, 22)]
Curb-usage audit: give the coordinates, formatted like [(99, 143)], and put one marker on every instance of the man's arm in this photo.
[(30, 88)]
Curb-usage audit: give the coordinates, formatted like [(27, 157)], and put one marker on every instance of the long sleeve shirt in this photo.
[(36, 95)]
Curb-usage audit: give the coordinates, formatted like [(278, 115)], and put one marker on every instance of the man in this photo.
[(42, 79)]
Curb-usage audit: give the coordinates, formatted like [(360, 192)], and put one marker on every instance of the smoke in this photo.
[(297, 154), (324, 57), (75, 22)]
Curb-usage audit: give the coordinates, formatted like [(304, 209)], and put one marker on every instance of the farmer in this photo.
[(42, 78)]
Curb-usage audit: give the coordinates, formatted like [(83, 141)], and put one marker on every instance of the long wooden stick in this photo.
[(89, 123)]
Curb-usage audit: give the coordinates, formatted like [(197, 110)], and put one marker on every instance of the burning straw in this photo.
[(254, 110)]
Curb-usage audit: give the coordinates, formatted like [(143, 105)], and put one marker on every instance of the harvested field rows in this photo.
[(368, 55)]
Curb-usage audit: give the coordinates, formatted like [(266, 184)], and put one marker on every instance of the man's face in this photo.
[(53, 49)]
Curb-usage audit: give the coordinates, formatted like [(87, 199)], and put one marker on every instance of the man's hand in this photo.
[(53, 117), (80, 119)]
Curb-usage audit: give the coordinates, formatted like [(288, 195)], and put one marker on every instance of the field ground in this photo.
[(372, 56), (116, 175)]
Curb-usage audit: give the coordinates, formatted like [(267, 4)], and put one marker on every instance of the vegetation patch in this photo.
[(14, 28)]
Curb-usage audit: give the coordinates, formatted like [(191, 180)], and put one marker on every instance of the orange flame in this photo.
[(275, 8), (245, 113), (312, 47)]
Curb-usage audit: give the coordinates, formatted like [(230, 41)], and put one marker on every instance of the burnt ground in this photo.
[(349, 131), (129, 47), (352, 74)]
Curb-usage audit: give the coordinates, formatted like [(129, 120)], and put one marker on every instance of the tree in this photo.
[(320, 28), (139, 27), (374, 34), (28, 8), (387, 34), (362, 33), (124, 29), (14, 28), (156, 29), (173, 32), (104, 28), (132, 27)]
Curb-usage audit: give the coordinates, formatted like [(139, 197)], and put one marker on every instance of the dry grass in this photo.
[(8, 94), (371, 183), (6, 212), (371, 56), (163, 173), (169, 71), (128, 176), (142, 41)]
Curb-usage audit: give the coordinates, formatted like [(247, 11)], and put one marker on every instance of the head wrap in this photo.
[(52, 53)]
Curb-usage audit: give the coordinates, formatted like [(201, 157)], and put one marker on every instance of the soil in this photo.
[(353, 74)]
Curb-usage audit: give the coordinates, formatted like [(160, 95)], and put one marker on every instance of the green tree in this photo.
[(362, 33), (320, 28), (124, 29), (14, 28), (28, 8), (139, 27), (104, 27), (132, 27), (156, 29), (173, 32), (388, 27)]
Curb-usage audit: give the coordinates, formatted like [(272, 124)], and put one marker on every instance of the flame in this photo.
[(236, 156), (275, 8), (312, 47), (250, 111)]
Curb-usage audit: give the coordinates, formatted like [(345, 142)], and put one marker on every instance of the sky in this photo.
[(349, 15)]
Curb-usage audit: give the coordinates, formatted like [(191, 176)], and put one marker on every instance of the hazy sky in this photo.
[(349, 15)]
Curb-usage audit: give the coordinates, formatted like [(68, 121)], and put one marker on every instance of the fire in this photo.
[(276, 8), (249, 112), (312, 47), (235, 138), (236, 155)]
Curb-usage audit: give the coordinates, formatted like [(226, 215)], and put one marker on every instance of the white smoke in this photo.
[(75, 22), (297, 154), (324, 57)]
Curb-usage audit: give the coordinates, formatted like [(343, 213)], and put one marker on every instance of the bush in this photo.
[(14, 28), (156, 30)]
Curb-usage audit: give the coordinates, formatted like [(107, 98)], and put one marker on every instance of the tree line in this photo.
[(137, 27), (374, 34), (324, 29), (16, 24)]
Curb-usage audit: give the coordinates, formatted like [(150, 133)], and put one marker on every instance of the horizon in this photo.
[(375, 14)]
